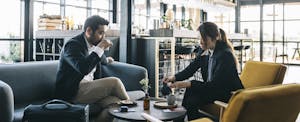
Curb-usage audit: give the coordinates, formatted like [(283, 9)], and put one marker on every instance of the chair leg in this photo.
[(294, 53), (221, 114), (298, 50)]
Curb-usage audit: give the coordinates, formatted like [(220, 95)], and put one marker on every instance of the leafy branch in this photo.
[(145, 84)]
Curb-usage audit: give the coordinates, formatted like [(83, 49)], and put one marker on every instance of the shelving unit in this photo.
[(157, 54), (48, 48), (48, 44)]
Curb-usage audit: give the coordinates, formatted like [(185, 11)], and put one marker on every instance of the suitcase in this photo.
[(56, 111)]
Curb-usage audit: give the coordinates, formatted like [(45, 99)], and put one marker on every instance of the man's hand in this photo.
[(181, 85), (104, 44), (109, 59), (169, 79)]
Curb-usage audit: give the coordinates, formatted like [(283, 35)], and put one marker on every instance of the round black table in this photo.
[(162, 114)]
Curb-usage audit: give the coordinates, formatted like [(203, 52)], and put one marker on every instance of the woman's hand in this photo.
[(169, 79), (181, 85), (110, 60)]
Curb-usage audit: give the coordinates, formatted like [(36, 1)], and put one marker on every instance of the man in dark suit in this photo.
[(78, 77), (218, 68)]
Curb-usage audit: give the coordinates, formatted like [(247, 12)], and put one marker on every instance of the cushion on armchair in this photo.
[(257, 74)]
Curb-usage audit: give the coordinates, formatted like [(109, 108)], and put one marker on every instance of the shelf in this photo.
[(70, 33), (174, 33), (52, 54)]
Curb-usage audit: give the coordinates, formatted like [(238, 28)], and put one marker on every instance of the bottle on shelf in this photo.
[(147, 102), (71, 23), (64, 24)]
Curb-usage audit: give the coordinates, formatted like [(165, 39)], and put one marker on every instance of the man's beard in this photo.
[(94, 42)]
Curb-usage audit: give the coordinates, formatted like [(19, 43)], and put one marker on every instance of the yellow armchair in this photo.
[(275, 103), (255, 74)]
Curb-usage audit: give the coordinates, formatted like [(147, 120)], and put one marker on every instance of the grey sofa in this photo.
[(27, 83)]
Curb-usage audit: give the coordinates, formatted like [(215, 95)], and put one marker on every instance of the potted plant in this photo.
[(145, 85)]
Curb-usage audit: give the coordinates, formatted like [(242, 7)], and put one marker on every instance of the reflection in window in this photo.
[(273, 12), (250, 13), (224, 20)]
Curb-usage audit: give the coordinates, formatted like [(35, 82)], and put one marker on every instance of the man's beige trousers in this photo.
[(105, 92)]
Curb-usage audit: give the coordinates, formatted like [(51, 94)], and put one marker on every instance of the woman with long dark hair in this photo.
[(218, 66)]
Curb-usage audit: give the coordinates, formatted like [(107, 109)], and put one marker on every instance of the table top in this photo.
[(162, 114)]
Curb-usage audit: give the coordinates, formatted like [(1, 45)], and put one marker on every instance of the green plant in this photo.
[(145, 84), (189, 24), (164, 18), (15, 52)]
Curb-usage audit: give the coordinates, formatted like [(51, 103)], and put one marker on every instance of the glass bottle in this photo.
[(147, 102)]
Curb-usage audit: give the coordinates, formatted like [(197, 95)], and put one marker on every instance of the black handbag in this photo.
[(56, 111)]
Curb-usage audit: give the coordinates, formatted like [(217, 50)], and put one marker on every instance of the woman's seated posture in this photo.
[(218, 68)]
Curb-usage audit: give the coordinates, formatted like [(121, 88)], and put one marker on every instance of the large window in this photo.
[(44, 7), (11, 22), (281, 36), (155, 13), (224, 18), (140, 14), (76, 10), (12, 31), (102, 8), (250, 13)]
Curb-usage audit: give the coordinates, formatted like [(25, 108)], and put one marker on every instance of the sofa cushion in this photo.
[(30, 81), (18, 115)]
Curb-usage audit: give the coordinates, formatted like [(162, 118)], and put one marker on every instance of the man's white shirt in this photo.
[(99, 52)]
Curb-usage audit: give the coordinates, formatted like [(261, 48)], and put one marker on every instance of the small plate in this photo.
[(127, 103), (164, 105)]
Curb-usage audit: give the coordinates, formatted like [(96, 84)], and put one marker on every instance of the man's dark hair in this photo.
[(94, 22)]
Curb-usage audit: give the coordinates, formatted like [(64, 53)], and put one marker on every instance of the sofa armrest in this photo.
[(6, 103), (129, 74)]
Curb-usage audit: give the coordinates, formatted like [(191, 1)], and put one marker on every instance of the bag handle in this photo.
[(69, 105)]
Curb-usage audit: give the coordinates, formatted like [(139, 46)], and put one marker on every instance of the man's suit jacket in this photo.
[(75, 62), (225, 77)]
